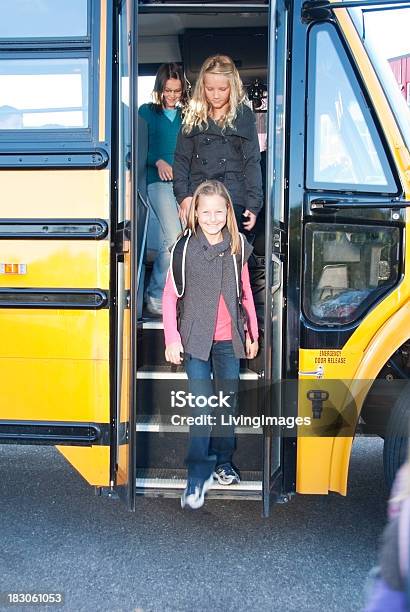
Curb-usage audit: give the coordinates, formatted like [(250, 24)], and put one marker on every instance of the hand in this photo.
[(248, 225), (164, 170), (172, 352), (252, 348), (184, 208)]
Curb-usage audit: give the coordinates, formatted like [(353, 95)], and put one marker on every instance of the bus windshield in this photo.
[(370, 24)]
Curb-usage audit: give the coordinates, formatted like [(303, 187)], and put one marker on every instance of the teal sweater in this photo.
[(162, 139)]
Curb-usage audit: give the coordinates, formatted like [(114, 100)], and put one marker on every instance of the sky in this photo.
[(391, 29)]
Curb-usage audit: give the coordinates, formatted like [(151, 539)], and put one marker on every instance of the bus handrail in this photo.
[(144, 236), (335, 203)]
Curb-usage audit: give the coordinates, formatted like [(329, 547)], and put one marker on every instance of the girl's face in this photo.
[(172, 93), (211, 213), (217, 90)]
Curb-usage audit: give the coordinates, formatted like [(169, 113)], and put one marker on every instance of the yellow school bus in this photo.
[(81, 366)]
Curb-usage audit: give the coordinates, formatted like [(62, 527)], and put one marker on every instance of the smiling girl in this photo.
[(219, 141), (211, 334)]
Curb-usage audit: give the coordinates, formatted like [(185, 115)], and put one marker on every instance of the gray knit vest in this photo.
[(209, 273)]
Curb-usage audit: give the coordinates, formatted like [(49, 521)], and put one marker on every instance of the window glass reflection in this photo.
[(43, 93), (350, 268), (43, 18), (347, 150)]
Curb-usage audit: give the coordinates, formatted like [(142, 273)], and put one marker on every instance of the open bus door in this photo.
[(131, 206), (348, 189), (275, 245)]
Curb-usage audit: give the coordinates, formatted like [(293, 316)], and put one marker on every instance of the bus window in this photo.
[(43, 93), (45, 19), (374, 22), (349, 268), (344, 148)]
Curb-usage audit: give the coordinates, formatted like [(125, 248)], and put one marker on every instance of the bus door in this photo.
[(345, 186), (276, 240), (132, 219)]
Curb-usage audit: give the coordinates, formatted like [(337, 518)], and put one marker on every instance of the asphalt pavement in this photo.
[(311, 554)]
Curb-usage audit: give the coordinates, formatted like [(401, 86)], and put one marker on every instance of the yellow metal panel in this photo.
[(379, 335), (55, 194), (57, 263), (92, 462), (102, 73), (313, 464), (386, 342), (55, 390), (54, 334)]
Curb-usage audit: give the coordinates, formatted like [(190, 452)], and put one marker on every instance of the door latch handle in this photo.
[(319, 372)]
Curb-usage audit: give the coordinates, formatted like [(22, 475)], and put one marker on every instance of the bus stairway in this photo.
[(161, 443)]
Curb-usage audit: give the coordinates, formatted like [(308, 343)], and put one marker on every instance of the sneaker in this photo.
[(225, 474), (153, 306), (194, 494)]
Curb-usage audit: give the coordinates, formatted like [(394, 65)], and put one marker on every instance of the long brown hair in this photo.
[(210, 188), (165, 72), (198, 108)]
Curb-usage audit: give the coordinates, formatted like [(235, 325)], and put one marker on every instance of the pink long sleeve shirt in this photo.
[(223, 320)]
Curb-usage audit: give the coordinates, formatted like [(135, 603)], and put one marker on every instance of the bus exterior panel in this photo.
[(56, 259)]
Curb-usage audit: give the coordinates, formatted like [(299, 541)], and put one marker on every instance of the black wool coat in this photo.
[(231, 156)]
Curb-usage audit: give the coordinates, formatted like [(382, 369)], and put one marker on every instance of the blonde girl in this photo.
[(219, 141), (211, 334)]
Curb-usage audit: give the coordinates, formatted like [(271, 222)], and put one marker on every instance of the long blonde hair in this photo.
[(215, 188), (198, 108)]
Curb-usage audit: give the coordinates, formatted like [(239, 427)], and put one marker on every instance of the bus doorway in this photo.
[(187, 36)]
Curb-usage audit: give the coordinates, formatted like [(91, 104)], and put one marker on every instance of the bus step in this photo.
[(167, 450), (151, 347), (155, 424), (171, 483), (164, 372), (154, 323)]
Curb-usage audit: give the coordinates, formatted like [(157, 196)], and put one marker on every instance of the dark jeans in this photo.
[(210, 446)]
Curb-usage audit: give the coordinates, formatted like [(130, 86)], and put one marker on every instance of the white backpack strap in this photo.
[(188, 233), (235, 265)]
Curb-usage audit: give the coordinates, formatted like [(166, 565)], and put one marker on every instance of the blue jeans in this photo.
[(163, 203), (210, 446)]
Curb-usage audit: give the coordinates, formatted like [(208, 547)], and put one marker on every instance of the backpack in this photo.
[(177, 272)]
